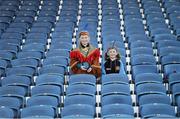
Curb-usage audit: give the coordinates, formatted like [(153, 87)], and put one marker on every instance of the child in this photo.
[(113, 64), (85, 58)]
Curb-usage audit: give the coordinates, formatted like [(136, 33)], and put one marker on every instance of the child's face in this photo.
[(84, 39), (112, 53)]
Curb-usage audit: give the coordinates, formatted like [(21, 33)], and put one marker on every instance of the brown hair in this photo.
[(117, 56), (83, 33)]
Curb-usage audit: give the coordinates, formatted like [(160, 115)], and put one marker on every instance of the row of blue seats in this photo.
[(110, 89)]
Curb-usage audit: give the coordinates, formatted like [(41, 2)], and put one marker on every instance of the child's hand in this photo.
[(89, 70)]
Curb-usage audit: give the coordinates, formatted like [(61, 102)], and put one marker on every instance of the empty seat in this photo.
[(43, 100), (13, 91), (15, 80), (114, 78), (47, 90), (58, 52), (61, 45), (50, 79), (35, 47), (50, 69), (140, 43), (82, 78), (115, 89), (150, 88), (171, 68), (22, 70), (78, 111), (117, 111), (6, 112), (168, 50), (140, 69), (56, 61), (80, 99), (116, 99), (28, 62), (81, 89), (154, 98), (157, 111), (141, 50), (143, 59), (173, 79), (12, 103), (148, 78), (40, 111), (30, 54)]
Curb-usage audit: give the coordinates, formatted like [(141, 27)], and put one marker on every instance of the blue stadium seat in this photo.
[(40, 111), (81, 89), (26, 13), (117, 111), (166, 43), (114, 78), (50, 79), (16, 30), (23, 25), (140, 69), (148, 78), (150, 88), (24, 19), (43, 100), (116, 99), (164, 37), (36, 35), (157, 111), (9, 8), (38, 47), (15, 80), (82, 79), (154, 98), (143, 60), (12, 103), (14, 91), (30, 54), (141, 50), (27, 62), (22, 71), (47, 90), (140, 43), (78, 111), (80, 99), (173, 79), (168, 50), (170, 69), (42, 30), (170, 59), (50, 69), (58, 52), (159, 31), (3, 64), (115, 89), (47, 25), (6, 112), (56, 61), (61, 45), (31, 3), (135, 37), (7, 56)]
